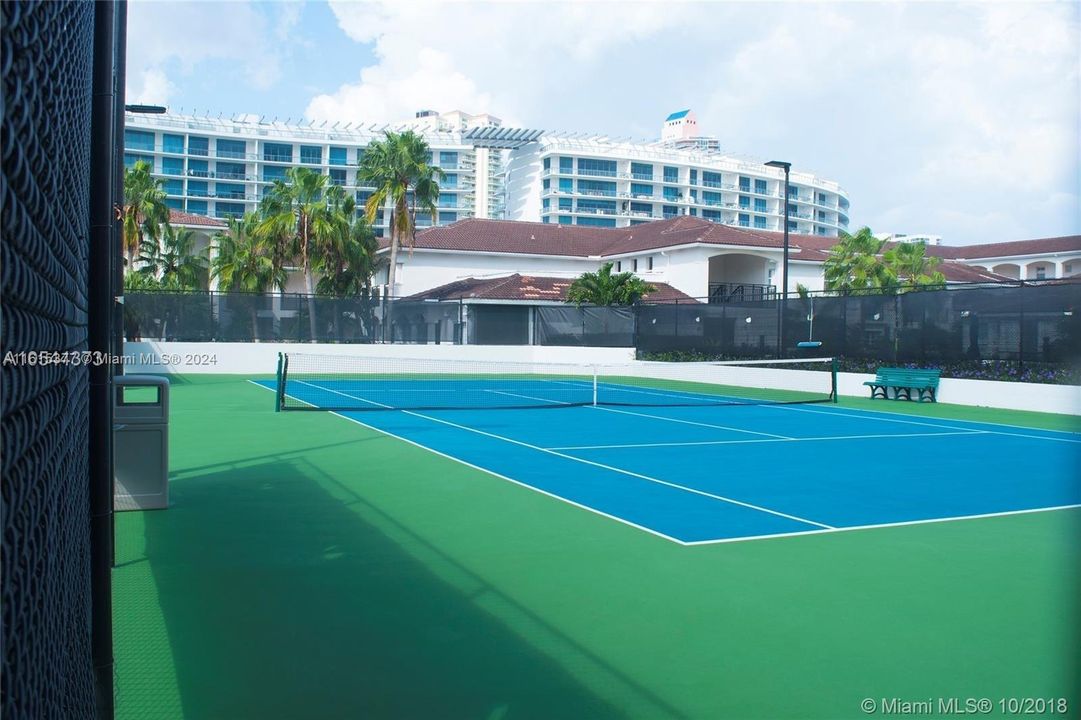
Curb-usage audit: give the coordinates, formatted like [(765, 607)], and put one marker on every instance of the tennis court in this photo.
[(313, 565), (687, 455)]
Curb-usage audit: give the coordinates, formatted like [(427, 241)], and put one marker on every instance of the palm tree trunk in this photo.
[(388, 321), (254, 323), (305, 251)]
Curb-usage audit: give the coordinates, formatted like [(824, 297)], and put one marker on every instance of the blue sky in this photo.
[(960, 120)]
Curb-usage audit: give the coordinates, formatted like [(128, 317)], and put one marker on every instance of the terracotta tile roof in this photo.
[(533, 238), (176, 217), (1067, 243), (526, 287), (959, 272)]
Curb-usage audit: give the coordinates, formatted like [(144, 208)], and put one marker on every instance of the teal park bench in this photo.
[(904, 381)]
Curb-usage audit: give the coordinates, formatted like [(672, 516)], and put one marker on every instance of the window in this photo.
[(271, 173), (229, 171), (791, 226), (546, 185), (448, 160), (793, 191), (744, 202), (131, 158), (450, 182), (138, 140), (639, 207), (546, 205), (360, 155), (424, 219), (744, 220), (362, 197), (760, 186), (198, 145), (224, 210), (566, 185), (711, 198), (619, 266), (634, 265), (669, 211), (198, 188), (649, 263), (694, 196), (744, 184), (641, 171), (174, 187), (174, 203), (792, 209), (641, 190), (172, 166), (173, 144), (822, 199), (638, 222), (671, 174), (566, 165), (1067, 268), (671, 194), (714, 215), (337, 156), (694, 177), (198, 168), (231, 148), (231, 191), (1041, 273), (759, 205), (311, 154), (694, 212), (547, 164), (276, 152), (607, 207), (759, 221), (564, 220), (566, 204), (337, 176), (822, 215), (711, 179), (447, 217), (197, 206), (447, 201), (601, 168), (597, 187)]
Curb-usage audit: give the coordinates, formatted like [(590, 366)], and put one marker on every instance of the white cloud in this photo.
[(154, 88), (182, 38), (499, 58)]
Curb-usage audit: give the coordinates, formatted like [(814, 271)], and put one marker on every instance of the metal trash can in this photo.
[(141, 442)]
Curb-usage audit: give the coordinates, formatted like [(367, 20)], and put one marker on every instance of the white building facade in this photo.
[(221, 168)]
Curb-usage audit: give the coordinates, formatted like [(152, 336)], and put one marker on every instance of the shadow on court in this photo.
[(286, 595)]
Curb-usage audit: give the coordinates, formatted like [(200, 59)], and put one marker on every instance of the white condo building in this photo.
[(222, 167)]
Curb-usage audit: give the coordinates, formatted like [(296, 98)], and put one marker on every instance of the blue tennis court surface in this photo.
[(699, 474)]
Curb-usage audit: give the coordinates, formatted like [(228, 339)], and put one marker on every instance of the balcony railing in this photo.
[(724, 292)]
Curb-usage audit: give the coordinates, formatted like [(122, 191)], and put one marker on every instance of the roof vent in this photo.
[(532, 237)]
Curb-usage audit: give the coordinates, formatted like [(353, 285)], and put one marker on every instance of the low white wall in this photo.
[(262, 358)]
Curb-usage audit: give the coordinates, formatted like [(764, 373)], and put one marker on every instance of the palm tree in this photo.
[(297, 209), (244, 261), (346, 257), (853, 263), (911, 265), (174, 260), (144, 210), (397, 167), (604, 288)]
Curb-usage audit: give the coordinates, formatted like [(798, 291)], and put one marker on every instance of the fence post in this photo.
[(1021, 330)]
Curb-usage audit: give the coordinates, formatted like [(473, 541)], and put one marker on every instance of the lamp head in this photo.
[(779, 164)]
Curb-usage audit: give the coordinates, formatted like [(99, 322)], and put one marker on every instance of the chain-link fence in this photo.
[(1017, 323)]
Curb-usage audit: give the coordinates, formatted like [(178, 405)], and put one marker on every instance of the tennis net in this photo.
[(348, 383)]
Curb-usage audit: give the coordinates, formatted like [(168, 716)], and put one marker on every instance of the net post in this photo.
[(833, 379), (594, 384), (279, 396)]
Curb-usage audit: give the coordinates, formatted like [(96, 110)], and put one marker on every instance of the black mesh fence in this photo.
[(1030, 325), (46, 55), (584, 326)]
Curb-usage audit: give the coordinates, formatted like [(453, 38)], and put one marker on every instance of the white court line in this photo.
[(688, 543), (878, 526), (692, 422), (646, 415), (484, 470), (767, 440), (611, 468), (862, 414)]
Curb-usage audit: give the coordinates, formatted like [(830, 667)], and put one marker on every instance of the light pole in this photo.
[(786, 166)]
